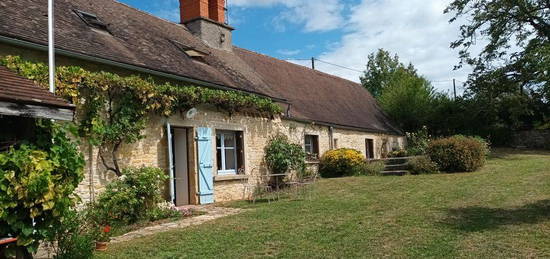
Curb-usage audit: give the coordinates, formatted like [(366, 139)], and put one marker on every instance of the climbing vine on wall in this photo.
[(113, 110)]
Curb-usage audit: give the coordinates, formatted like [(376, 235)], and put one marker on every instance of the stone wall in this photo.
[(383, 144), (532, 139), (257, 131), (152, 150)]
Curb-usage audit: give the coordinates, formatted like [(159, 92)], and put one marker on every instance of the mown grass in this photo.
[(501, 211)]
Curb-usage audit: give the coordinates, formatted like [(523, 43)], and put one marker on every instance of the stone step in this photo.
[(395, 167), (396, 160), (395, 173)]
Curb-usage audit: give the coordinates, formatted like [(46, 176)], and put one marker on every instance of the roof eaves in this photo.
[(39, 103), (347, 127)]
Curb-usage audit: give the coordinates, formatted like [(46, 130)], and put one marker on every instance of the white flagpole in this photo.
[(51, 50)]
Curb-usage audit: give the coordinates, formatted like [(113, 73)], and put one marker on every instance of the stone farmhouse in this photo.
[(207, 153)]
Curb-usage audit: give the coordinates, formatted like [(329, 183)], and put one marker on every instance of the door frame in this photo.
[(192, 170), (369, 144), (174, 159)]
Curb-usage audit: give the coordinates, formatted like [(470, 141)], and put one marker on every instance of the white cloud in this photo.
[(417, 30), (289, 52), (323, 15)]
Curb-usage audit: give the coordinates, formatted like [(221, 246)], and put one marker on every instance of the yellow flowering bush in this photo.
[(341, 162)]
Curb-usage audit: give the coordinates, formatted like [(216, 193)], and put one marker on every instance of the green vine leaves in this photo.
[(113, 110)]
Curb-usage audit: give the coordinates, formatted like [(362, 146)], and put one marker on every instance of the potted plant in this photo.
[(103, 238)]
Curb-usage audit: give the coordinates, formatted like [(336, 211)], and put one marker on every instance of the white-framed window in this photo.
[(226, 152)]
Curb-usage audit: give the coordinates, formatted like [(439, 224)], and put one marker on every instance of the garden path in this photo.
[(211, 213)]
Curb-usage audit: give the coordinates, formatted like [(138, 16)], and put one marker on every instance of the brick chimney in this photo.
[(206, 20), (192, 9), (216, 9)]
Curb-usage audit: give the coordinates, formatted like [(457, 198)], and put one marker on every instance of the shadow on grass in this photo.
[(473, 219)]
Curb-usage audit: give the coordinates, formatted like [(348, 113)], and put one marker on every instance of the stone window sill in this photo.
[(221, 178)]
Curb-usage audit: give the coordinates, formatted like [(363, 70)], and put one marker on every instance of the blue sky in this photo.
[(342, 32)]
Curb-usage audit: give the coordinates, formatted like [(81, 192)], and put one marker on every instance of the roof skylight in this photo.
[(191, 52), (92, 20)]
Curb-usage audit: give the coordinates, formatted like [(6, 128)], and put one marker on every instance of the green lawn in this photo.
[(501, 211)]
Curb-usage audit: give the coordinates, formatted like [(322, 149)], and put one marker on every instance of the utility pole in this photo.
[(454, 87), (313, 63), (51, 46)]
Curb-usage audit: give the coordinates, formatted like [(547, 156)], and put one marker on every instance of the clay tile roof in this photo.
[(140, 39), (319, 96), (16, 89)]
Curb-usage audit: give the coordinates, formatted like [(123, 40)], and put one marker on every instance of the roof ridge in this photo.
[(300, 66), (254, 52)]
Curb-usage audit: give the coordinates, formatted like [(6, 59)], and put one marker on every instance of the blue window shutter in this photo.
[(206, 161)]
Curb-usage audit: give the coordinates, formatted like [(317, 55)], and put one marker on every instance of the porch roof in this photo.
[(22, 97)]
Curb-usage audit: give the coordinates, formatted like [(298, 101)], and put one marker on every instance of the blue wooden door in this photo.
[(206, 161)]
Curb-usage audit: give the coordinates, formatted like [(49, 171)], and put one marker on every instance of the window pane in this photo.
[(229, 140), (219, 159), (218, 140), (308, 140), (309, 148), (230, 160)]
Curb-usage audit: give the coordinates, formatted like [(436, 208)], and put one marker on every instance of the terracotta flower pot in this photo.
[(101, 246)]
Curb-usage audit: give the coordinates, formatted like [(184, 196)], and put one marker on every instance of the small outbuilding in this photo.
[(21, 102)]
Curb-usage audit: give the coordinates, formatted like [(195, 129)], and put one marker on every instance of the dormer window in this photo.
[(191, 52), (92, 20)]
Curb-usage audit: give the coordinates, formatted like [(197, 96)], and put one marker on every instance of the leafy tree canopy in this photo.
[(381, 70), (515, 58), (401, 92), (505, 24)]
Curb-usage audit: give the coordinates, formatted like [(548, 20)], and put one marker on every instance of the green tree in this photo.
[(513, 65), (408, 101), (381, 69), (403, 94)]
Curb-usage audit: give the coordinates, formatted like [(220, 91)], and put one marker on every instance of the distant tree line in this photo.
[(508, 90)]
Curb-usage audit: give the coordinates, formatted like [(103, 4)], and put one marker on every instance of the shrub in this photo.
[(281, 155), (129, 198), (458, 153), (373, 167), (163, 211), (417, 142), (74, 238), (37, 183), (422, 165), (341, 162), (398, 153)]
